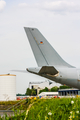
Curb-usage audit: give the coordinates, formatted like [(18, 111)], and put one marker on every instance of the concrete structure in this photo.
[(7, 87), (49, 94)]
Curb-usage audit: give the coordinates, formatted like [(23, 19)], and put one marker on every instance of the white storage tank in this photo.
[(7, 87)]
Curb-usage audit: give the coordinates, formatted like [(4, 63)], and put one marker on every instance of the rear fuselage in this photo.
[(68, 76)]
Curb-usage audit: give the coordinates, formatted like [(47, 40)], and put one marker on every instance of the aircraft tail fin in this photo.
[(44, 53)]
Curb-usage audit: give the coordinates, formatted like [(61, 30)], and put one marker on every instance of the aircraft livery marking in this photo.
[(36, 40), (41, 42)]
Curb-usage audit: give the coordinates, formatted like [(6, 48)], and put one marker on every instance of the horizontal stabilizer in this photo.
[(24, 71)]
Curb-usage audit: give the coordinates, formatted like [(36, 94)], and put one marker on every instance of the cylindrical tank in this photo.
[(7, 87)]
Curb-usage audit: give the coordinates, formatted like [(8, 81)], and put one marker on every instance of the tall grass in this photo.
[(50, 109), (55, 109)]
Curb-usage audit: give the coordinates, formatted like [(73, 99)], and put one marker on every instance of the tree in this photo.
[(64, 87), (33, 92), (54, 89), (30, 92), (44, 90), (20, 94)]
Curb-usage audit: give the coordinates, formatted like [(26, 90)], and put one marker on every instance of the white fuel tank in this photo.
[(7, 87)]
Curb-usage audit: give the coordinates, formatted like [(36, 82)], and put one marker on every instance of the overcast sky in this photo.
[(58, 21)]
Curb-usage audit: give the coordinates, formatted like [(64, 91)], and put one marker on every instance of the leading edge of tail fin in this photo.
[(44, 53)]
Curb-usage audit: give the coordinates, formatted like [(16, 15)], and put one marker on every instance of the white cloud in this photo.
[(2, 5), (22, 5), (61, 6)]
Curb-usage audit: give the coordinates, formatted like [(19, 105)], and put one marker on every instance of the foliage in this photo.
[(64, 87), (8, 102), (44, 90), (20, 94), (33, 92), (55, 109), (17, 116), (54, 89), (30, 92), (49, 109), (20, 104)]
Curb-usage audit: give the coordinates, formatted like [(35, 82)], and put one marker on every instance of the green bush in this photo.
[(64, 87), (54, 89)]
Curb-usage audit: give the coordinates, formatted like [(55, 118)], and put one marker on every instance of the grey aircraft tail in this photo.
[(44, 53)]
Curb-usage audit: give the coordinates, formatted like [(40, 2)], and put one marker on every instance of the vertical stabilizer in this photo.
[(44, 53)]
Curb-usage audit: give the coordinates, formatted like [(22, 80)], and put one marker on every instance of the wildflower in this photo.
[(77, 112), (41, 97), (38, 97), (50, 113), (72, 102), (77, 96), (70, 117), (71, 112), (34, 98)]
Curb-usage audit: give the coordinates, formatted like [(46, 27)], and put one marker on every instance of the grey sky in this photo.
[(58, 21)]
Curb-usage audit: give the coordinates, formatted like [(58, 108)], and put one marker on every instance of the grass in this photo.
[(55, 109), (49, 109), (9, 105)]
